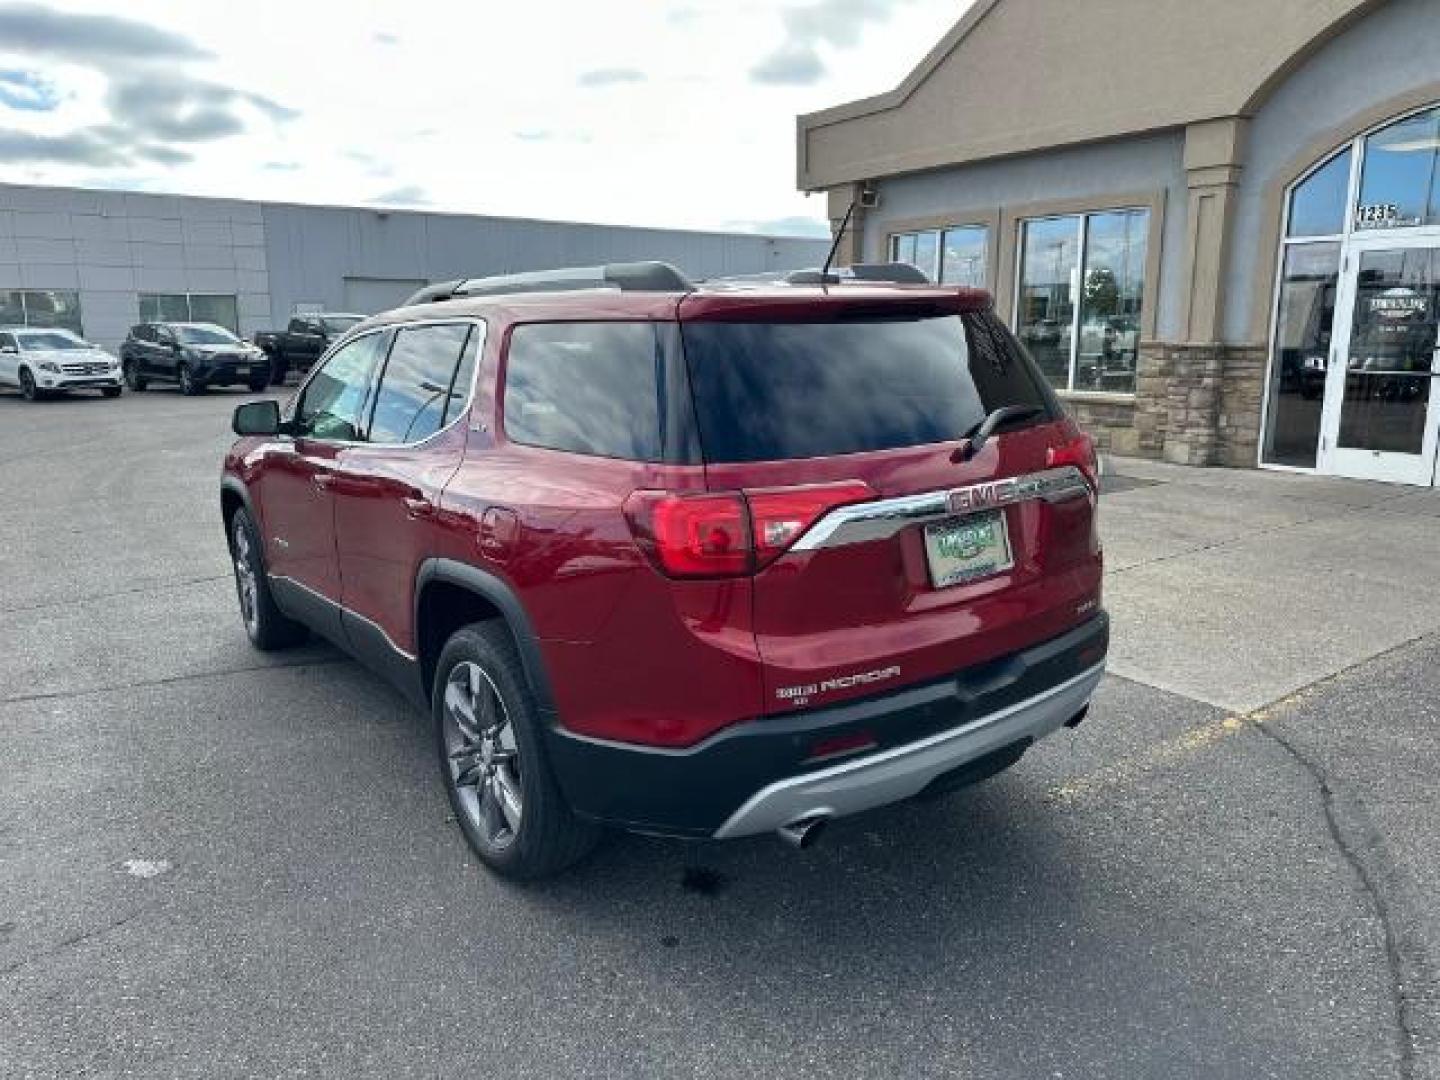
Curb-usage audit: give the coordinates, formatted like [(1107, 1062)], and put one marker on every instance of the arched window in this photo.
[(1400, 185)]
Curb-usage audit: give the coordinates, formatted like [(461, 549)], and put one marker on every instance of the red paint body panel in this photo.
[(631, 655)]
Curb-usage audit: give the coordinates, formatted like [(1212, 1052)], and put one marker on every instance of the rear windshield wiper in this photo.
[(974, 440)]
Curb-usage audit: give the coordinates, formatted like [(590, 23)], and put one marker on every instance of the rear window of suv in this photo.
[(772, 391)]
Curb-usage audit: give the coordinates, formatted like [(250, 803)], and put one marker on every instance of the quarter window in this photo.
[(1082, 296), (41, 307), (419, 388), (333, 402), (590, 388)]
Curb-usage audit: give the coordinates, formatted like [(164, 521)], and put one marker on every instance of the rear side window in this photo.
[(773, 391), (418, 387), (607, 389)]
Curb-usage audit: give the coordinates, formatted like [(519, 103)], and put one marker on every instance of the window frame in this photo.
[(190, 307), (372, 397), (900, 230), (480, 331), (25, 293), (1082, 213), (680, 444)]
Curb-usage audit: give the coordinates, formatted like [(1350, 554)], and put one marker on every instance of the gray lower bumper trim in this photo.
[(903, 771)]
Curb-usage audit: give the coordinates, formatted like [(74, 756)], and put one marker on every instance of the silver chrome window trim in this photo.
[(344, 342), (864, 522)]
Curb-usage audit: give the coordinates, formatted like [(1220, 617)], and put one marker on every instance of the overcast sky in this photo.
[(643, 112)]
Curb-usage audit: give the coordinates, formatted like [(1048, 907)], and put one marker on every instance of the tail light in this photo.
[(1078, 450), (730, 533)]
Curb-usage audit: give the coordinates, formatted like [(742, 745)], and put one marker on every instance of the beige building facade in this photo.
[(1215, 225)]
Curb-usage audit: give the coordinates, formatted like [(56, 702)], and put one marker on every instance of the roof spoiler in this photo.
[(891, 273), (626, 277)]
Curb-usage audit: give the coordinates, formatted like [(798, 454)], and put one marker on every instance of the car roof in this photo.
[(718, 301)]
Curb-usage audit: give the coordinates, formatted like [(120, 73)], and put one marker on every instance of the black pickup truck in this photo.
[(300, 344)]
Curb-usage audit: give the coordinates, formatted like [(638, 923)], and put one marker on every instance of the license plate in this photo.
[(968, 548)]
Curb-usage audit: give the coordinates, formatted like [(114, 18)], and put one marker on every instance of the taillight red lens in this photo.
[(780, 516), (692, 535), (730, 533), (1079, 451)]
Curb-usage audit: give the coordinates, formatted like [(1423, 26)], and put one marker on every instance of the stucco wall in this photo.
[(1133, 166), (1393, 49)]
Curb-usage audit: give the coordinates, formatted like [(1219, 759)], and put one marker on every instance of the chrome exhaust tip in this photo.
[(803, 832)]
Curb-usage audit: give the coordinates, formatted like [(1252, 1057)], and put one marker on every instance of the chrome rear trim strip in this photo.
[(864, 522)]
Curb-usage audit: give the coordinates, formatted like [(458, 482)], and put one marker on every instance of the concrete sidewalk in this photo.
[(1239, 587)]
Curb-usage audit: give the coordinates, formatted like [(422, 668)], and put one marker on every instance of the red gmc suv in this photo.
[(697, 560)]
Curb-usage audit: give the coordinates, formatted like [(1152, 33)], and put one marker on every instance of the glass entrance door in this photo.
[(1382, 393)]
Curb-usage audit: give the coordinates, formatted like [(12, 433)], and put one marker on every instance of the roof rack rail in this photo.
[(627, 277)]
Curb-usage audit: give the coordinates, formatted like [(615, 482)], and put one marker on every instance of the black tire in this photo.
[(133, 379), (189, 385), (110, 391), (28, 389), (258, 385), (549, 837), (269, 629), (279, 370)]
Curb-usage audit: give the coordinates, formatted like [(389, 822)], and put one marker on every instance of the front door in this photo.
[(1382, 394)]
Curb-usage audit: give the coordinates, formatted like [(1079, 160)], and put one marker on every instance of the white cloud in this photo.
[(478, 108)]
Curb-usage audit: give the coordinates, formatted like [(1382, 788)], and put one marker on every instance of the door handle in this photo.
[(322, 481), (416, 505)]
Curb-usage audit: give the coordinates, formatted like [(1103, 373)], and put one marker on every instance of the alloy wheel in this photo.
[(246, 582), (483, 755)]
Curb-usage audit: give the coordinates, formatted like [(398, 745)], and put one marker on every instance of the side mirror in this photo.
[(257, 418)]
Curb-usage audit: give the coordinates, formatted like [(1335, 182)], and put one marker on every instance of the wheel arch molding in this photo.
[(495, 597)]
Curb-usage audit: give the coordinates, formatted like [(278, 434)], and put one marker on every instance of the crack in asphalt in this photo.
[(77, 938), (80, 601), (1398, 956), (142, 684)]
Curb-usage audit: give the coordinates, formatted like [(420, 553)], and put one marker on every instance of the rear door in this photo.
[(947, 564)]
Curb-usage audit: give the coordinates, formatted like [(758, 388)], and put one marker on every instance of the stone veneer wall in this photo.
[(1194, 404)]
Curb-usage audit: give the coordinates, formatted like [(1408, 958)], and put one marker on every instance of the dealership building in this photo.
[(1216, 225), (98, 262)]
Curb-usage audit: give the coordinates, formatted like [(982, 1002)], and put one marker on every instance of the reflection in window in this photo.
[(962, 256), (589, 388), (1050, 256), (1392, 340), (954, 256), (1317, 206), (334, 399), (1302, 346), (1096, 263), (1111, 296), (417, 388), (41, 307), (1400, 186)]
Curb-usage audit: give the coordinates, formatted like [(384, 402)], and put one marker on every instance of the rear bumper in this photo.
[(759, 774)]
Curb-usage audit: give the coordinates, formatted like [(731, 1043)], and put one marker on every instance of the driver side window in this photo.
[(334, 400)]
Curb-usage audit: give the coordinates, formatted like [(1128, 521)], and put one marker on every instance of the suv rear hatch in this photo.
[(888, 550)]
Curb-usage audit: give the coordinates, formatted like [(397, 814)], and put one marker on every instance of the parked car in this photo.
[(51, 360), (695, 561), (192, 355), (300, 344)]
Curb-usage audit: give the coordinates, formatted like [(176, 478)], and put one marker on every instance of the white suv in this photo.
[(45, 361)]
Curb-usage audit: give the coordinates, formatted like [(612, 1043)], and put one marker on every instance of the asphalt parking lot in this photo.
[(218, 863)]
